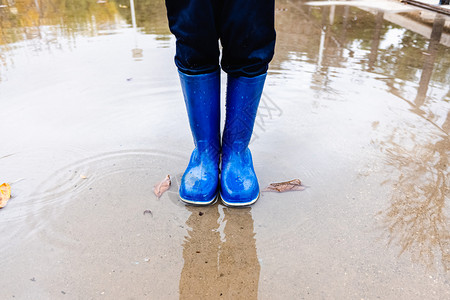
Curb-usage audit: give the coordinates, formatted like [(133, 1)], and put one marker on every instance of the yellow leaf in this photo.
[(5, 194)]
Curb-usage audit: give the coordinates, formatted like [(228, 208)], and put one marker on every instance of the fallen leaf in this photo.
[(5, 194), (161, 187), (291, 185)]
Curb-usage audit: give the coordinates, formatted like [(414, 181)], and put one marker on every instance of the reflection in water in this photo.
[(347, 37), (420, 106), (428, 66), (29, 19), (376, 40), (136, 51), (416, 218), (219, 254), (49, 25), (150, 16)]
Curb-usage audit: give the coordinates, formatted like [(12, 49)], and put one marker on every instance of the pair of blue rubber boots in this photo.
[(237, 184)]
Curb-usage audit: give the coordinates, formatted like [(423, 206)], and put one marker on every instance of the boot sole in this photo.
[(240, 204), (200, 203)]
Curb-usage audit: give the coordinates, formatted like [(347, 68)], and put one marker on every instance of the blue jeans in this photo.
[(245, 29)]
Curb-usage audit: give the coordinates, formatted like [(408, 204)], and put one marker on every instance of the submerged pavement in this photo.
[(356, 105)]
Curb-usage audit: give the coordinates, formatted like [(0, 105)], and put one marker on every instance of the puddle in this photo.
[(356, 105)]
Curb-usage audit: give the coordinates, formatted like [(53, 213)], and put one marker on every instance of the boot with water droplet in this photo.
[(239, 184), (200, 182)]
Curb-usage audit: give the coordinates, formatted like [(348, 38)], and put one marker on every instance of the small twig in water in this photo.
[(7, 155), (18, 180)]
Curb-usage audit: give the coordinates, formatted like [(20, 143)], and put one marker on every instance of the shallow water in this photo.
[(356, 105)]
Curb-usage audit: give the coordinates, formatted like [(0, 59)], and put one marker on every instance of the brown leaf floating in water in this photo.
[(5, 194), (161, 187), (280, 187)]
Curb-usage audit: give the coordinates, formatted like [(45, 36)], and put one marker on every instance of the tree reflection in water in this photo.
[(416, 218)]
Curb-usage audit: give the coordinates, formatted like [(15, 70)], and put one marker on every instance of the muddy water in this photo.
[(356, 105)]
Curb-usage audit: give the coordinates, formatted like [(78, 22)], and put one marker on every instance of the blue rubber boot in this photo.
[(200, 182), (238, 184)]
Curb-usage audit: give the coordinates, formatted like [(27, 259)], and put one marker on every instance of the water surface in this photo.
[(356, 105)]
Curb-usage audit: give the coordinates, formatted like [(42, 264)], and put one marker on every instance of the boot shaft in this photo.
[(243, 97), (202, 98)]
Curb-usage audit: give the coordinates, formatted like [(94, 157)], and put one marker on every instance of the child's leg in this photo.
[(247, 35), (248, 38), (193, 22)]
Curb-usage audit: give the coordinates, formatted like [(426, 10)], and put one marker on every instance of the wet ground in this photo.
[(356, 105)]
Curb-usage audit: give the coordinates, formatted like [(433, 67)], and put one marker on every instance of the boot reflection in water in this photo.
[(247, 35), (220, 264)]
